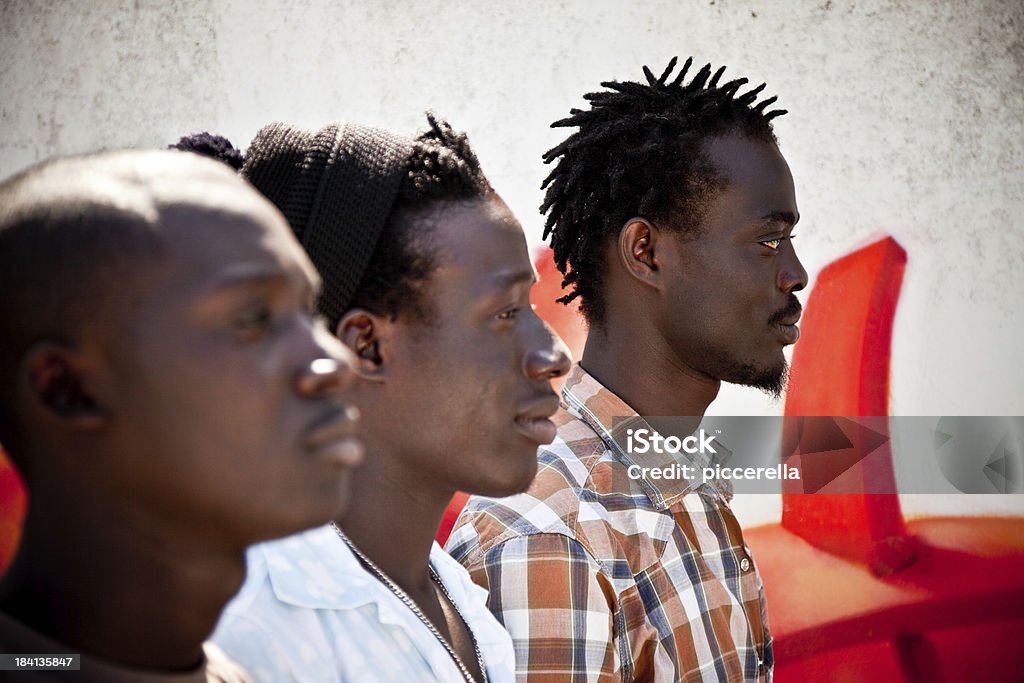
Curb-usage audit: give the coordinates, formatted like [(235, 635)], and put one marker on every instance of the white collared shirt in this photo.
[(308, 611)]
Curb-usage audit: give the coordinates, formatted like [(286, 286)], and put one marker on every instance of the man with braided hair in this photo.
[(426, 279), (670, 212)]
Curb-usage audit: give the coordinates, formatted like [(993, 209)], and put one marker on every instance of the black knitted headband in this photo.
[(336, 187)]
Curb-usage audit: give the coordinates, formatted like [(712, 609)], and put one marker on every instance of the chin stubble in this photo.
[(771, 380)]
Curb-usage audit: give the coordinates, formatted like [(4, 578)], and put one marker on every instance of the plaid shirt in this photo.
[(600, 577)]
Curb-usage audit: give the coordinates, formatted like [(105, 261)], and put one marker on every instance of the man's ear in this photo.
[(636, 248), (57, 377), (366, 335)]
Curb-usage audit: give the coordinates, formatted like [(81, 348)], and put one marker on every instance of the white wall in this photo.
[(905, 117)]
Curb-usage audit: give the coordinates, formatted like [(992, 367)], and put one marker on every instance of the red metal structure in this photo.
[(855, 592), (13, 502)]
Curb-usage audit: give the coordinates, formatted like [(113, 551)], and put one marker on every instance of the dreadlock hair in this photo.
[(442, 168), (638, 152)]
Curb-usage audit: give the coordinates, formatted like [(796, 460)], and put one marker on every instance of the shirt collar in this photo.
[(609, 416), (315, 569)]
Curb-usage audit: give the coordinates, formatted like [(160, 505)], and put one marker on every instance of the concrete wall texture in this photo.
[(905, 118)]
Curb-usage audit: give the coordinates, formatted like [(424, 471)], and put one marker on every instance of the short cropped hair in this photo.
[(73, 232)]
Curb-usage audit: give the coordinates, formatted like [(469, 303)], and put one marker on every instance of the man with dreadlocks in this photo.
[(670, 211), (426, 278)]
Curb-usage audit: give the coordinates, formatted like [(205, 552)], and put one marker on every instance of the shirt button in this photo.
[(744, 564)]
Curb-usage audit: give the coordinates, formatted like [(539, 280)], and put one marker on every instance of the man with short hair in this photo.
[(670, 212), (168, 399)]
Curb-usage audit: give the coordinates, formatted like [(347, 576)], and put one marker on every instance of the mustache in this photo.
[(792, 308)]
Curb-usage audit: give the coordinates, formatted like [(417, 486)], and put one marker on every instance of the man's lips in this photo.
[(334, 436), (785, 321), (533, 423), (790, 333), (787, 326)]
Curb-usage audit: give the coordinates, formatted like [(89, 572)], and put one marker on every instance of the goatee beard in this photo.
[(771, 381)]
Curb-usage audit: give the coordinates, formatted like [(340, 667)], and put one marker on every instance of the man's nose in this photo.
[(330, 366), (792, 276), (549, 359), (324, 376)]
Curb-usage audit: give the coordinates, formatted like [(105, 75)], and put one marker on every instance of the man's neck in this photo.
[(637, 369), (117, 592), (393, 517)]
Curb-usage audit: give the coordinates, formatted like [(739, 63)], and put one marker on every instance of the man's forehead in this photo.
[(741, 158), (485, 239), (216, 194), (756, 171), (138, 185), (224, 235), (142, 225)]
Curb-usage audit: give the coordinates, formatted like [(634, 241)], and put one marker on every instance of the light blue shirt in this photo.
[(308, 611)]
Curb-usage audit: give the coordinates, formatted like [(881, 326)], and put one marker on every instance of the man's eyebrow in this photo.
[(510, 279), (780, 217), (243, 275)]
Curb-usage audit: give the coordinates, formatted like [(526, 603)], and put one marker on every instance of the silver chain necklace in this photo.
[(408, 602)]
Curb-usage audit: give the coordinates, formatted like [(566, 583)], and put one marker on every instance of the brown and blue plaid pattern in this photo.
[(599, 577)]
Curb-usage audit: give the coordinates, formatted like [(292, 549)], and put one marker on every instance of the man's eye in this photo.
[(254, 320), (772, 243), (509, 314)]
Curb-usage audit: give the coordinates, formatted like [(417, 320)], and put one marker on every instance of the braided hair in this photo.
[(638, 152)]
